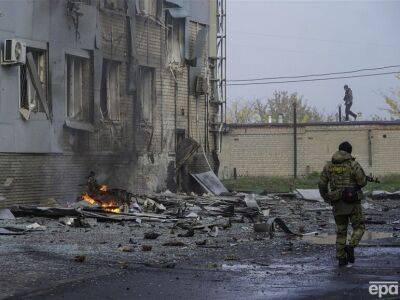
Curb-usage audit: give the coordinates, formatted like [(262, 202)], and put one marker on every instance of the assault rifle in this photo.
[(371, 178)]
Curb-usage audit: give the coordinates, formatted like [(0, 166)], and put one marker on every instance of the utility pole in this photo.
[(294, 140)]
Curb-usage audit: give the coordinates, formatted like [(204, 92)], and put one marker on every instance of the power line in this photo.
[(314, 75), (314, 79), (280, 36)]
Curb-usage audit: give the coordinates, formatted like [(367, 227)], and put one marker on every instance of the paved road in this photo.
[(312, 277)]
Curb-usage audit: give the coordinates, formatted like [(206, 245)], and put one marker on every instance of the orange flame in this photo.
[(107, 206)]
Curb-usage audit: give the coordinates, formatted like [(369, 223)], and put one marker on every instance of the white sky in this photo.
[(284, 38)]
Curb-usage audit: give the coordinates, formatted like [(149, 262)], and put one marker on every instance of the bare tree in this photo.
[(240, 112), (393, 103)]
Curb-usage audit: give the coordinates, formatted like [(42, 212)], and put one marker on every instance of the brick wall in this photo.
[(267, 150)]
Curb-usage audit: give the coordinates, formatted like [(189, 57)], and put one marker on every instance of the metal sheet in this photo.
[(210, 182), (310, 194)]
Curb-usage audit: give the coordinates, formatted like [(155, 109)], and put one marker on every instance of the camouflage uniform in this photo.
[(343, 171)]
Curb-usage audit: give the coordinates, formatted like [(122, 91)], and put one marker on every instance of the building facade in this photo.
[(269, 149), (109, 86)]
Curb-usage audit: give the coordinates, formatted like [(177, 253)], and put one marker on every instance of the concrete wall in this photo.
[(267, 149), (41, 159)]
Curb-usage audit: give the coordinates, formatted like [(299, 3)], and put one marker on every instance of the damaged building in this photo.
[(129, 89)]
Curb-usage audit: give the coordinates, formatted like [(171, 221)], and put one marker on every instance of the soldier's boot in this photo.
[(350, 254), (342, 261)]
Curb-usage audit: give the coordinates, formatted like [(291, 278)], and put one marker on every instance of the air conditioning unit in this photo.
[(14, 52)]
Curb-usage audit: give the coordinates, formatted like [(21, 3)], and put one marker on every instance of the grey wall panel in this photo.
[(44, 22), (7, 141), (198, 10)]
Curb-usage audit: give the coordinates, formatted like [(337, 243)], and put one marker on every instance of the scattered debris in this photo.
[(201, 243), (150, 205), (385, 195), (151, 235), (188, 233), (79, 258), (174, 243), (147, 247), (214, 232), (5, 231), (79, 222), (35, 227), (231, 257), (126, 248)]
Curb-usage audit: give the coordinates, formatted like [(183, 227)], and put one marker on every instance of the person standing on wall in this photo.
[(348, 102)]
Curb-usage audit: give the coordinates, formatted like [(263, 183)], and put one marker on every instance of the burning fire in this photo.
[(110, 206)]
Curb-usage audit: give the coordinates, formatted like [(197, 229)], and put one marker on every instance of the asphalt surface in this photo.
[(312, 276), (237, 263)]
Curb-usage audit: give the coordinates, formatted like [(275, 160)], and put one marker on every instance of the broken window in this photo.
[(175, 39), (110, 90), (29, 97), (78, 88), (146, 93), (150, 7)]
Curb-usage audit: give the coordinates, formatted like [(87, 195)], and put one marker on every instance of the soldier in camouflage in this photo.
[(341, 174)]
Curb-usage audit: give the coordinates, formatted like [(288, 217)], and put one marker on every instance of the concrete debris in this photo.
[(192, 215), (309, 195), (35, 227), (385, 195), (79, 222), (250, 201), (6, 214), (126, 248)]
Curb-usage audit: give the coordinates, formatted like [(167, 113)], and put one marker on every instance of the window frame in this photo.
[(38, 113), (112, 114), (86, 103), (172, 40), (148, 117)]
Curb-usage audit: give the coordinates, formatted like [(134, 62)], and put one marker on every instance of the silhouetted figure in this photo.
[(348, 102)]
